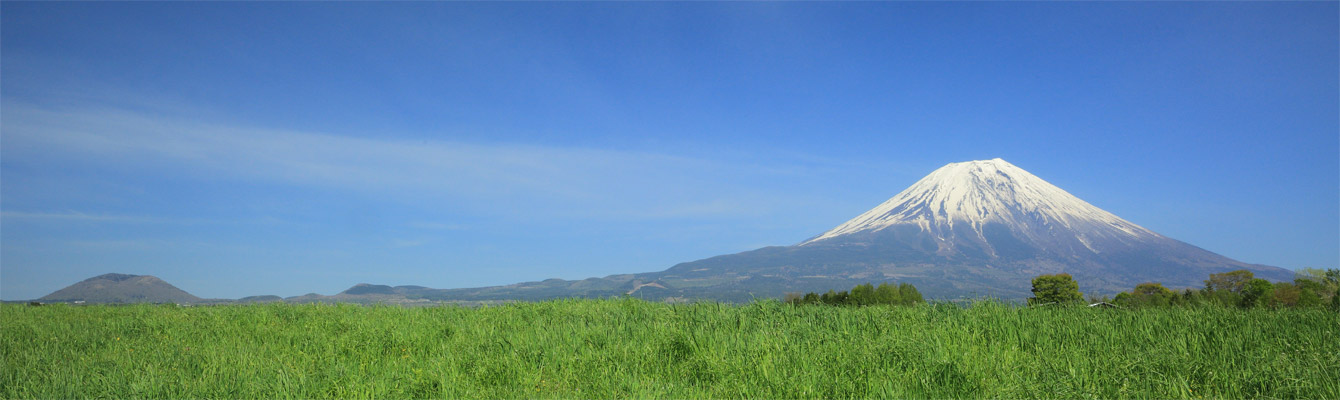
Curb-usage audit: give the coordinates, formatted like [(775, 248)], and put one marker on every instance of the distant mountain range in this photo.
[(979, 228), (969, 229)]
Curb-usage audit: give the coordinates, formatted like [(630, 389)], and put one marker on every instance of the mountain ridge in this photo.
[(968, 229), (975, 228)]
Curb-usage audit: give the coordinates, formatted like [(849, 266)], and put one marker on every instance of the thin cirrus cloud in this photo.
[(78, 217), (75, 216), (500, 178)]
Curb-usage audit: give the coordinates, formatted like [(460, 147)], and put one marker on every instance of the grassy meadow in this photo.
[(631, 348)]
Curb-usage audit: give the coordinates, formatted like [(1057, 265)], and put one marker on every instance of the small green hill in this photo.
[(260, 299), (367, 289)]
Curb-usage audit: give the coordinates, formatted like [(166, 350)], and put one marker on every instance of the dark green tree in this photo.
[(1257, 293), (1232, 281), (1335, 301), (1057, 288), (1226, 288), (829, 298), (1285, 294), (1151, 289), (1152, 294), (1188, 297), (1308, 298), (908, 294), (1312, 286), (887, 294), (862, 295), (1315, 286), (810, 298), (1124, 299)]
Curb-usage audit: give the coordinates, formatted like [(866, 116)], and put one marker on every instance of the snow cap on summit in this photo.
[(978, 192)]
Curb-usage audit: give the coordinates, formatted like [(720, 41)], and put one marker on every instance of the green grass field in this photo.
[(631, 348)]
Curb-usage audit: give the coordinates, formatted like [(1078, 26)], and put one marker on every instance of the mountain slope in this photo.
[(122, 288), (976, 228), (984, 228)]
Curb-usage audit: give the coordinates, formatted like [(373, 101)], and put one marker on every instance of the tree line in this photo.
[(1310, 288), (861, 295)]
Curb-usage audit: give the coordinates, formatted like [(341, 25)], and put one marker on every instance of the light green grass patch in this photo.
[(631, 348)]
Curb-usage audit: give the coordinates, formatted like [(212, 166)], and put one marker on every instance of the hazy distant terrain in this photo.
[(970, 229), (967, 230), (121, 288)]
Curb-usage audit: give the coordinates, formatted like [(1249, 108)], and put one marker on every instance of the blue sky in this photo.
[(239, 149)]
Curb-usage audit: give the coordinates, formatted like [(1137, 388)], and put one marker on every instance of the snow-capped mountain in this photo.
[(978, 206), (976, 228), (976, 193), (979, 228)]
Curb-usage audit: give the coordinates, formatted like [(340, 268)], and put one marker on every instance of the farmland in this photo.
[(633, 348)]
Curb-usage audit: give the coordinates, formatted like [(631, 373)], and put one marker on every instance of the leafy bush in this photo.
[(1311, 288), (1055, 289), (863, 295)]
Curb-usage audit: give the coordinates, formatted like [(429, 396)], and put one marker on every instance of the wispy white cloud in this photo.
[(75, 216), (508, 178), (127, 244), (82, 217)]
